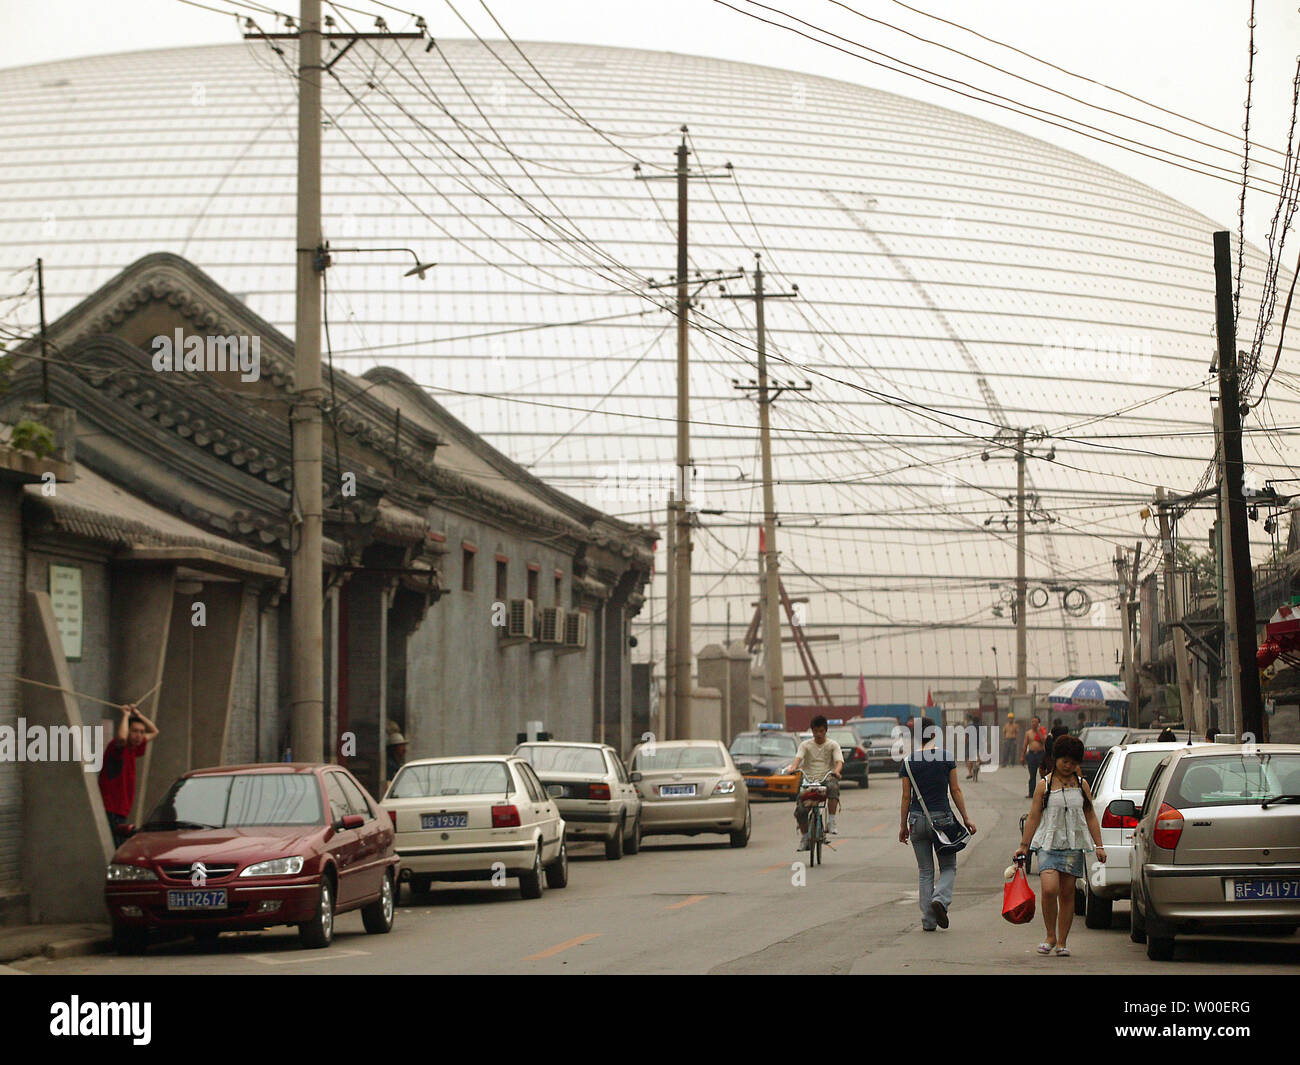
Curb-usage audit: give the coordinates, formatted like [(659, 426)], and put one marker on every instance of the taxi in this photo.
[(762, 757)]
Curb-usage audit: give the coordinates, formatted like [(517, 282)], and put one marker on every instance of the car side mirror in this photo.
[(351, 821), (635, 776), (1125, 808)]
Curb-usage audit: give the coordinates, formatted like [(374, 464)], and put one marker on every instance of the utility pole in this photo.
[(1174, 608), (680, 604), (1022, 591), (1130, 622), (1229, 717), (1248, 712), (306, 520), (772, 665), (670, 622), (45, 359)]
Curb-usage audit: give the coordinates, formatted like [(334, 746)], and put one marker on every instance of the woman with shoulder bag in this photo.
[(928, 776), (1061, 827)]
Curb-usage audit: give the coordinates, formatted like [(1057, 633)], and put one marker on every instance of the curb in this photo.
[(76, 948)]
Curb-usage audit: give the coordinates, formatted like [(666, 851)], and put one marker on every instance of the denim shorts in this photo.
[(1068, 862)]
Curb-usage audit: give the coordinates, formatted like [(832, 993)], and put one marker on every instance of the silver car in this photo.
[(1217, 846), (690, 787), (590, 786)]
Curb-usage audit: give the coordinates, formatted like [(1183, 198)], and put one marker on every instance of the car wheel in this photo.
[(557, 873), (865, 782), (532, 884), (1137, 927), (130, 940), (1160, 948), (378, 916), (1080, 900), (614, 845), (1100, 912), (633, 844), (421, 885), (740, 838), (319, 931)]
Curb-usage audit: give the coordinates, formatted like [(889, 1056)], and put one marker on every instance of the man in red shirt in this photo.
[(117, 778)]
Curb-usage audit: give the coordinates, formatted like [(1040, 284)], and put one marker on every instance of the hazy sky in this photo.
[(1187, 55)]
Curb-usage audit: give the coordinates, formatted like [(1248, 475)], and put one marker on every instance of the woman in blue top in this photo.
[(1061, 826), (935, 771)]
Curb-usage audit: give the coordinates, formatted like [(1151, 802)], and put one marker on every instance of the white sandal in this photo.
[(1044, 948)]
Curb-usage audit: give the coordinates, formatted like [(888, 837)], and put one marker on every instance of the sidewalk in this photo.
[(51, 941)]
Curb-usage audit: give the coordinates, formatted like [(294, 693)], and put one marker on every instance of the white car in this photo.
[(476, 818), (1123, 775), (592, 790)]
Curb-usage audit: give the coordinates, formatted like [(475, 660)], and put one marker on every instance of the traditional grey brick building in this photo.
[(176, 531)]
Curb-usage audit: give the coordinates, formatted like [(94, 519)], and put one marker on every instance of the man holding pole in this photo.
[(117, 778)]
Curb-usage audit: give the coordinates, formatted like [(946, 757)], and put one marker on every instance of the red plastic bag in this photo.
[(1018, 901)]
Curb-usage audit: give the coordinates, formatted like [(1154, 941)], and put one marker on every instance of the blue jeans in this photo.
[(923, 844)]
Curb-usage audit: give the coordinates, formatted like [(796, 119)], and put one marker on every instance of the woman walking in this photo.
[(1061, 827), (935, 773)]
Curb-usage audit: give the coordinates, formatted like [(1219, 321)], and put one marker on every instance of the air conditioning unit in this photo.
[(575, 629), (550, 625), (519, 621)]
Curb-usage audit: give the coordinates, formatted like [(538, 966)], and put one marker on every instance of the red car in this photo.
[(253, 846)]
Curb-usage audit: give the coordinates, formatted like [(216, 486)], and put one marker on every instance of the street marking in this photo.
[(690, 901), (559, 947), (271, 959), (770, 868), (877, 828)]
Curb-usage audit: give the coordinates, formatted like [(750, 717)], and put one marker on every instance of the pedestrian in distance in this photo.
[(117, 776), (396, 754), (1034, 746), (1167, 735), (1061, 827), (1058, 730), (935, 772), (1010, 733)]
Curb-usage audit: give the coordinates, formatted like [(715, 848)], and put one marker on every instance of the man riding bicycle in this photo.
[(818, 758)]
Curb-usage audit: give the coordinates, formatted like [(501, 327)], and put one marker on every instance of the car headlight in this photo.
[(117, 871), (725, 787), (275, 867)]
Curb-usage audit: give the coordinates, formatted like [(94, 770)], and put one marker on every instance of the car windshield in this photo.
[(761, 745), (1138, 767), (239, 800), (875, 729), (565, 759), (662, 757), (450, 778), (1102, 737), (845, 737), (1238, 779)]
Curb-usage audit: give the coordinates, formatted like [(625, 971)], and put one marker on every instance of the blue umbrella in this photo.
[(1089, 692)]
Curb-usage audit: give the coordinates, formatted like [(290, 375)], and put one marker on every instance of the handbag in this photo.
[(1018, 901), (950, 839)]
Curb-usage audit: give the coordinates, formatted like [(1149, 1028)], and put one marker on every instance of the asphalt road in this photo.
[(698, 906)]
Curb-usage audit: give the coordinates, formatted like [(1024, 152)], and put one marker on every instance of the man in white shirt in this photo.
[(818, 757)]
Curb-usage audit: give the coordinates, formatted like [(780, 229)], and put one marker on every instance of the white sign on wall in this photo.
[(65, 597)]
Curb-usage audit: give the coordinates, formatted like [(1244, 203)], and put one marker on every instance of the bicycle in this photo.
[(814, 792)]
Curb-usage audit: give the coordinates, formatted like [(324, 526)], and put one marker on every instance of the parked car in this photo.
[(592, 791), (855, 754), (1097, 741), (476, 817), (254, 846), (762, 756), (877, 735), (1217, 845), (690, 787), (1122, 776)]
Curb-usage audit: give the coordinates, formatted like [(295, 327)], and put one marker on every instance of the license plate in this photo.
[(428, 821), (756, 782), (1263, 890), (197, 900), (677, 791)]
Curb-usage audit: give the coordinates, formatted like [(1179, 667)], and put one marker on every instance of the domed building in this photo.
[(957, 282)]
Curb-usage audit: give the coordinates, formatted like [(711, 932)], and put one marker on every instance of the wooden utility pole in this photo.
[(772, 665), (1250, 709)]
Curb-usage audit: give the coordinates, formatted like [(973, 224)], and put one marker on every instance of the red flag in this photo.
[(929, 699), (762, 540), (862, 695)]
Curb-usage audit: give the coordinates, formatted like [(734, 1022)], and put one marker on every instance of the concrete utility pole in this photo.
[(771, 597), (670, 623), (1249, 710), (306, 573), (1227, 600), (1022, 591), (679, 605), (45, 355), (306, 617), (1174, 608)]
